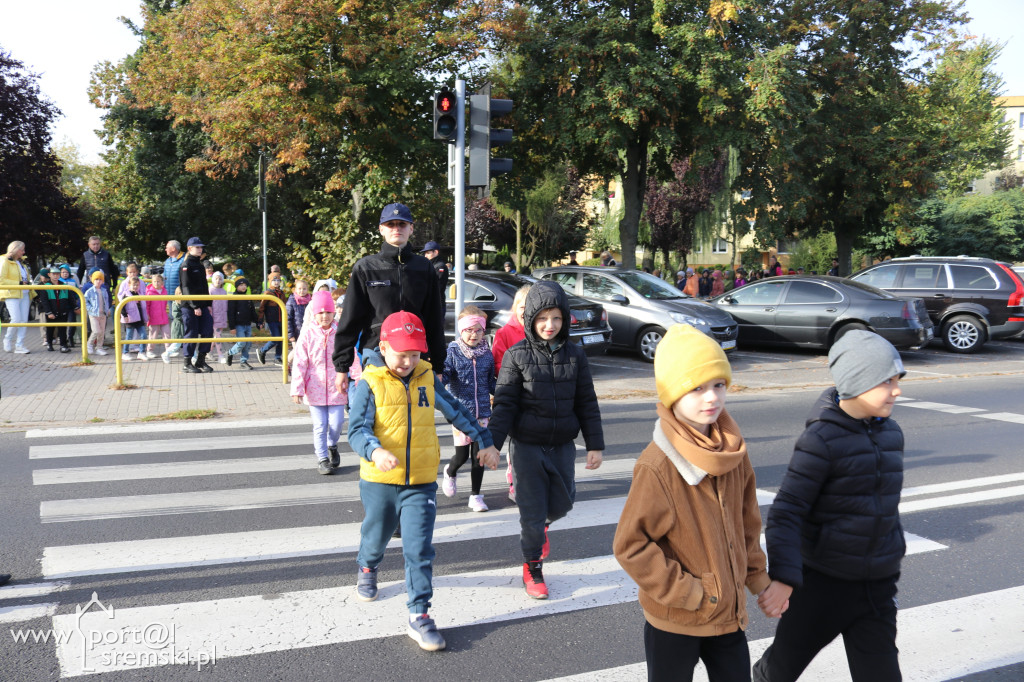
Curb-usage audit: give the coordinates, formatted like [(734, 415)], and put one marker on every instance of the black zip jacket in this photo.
[(241, 312), (838, 508), (193, 282), (385, 283), (545, 396)]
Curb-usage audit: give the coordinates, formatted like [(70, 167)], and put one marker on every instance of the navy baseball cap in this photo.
[(430, 246), (396, 212), (195, 241)]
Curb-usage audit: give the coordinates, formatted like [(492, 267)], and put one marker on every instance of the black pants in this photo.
[(62, 332), (197, 327), (545, 481), (476, 472), (672, 657), (862, 611)]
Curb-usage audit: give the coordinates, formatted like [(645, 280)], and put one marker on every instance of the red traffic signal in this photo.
[(444, 116)]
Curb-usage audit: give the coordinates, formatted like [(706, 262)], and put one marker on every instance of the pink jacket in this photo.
[(313, 370), (157, 309), (220, 308)]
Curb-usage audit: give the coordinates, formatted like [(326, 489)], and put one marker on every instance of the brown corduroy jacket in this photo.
[(691, 540)]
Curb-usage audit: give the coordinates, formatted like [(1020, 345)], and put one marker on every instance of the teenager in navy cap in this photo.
[(392, 280), (196, 316)]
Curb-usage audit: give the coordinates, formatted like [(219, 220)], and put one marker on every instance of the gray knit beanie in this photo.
[(861, 360)]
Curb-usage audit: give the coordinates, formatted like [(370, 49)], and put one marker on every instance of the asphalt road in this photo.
[(235, 544)]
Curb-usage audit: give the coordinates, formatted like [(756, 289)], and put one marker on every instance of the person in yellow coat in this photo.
[(14, 271)]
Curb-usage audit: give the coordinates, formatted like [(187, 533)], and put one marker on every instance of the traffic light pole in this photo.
[(460, 193)]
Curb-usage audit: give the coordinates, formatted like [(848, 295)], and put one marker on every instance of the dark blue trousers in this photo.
[(545, 481), (415, 507), (197, 327)]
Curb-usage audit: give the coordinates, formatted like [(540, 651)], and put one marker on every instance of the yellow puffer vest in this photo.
[(400, 412)]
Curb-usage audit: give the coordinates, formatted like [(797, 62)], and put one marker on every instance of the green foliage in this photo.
[(814, 253), (990, 226)]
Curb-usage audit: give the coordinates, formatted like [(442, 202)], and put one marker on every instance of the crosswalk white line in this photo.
[(265, 426), (949, 486), (264, 545), (940, 407), (18, 614), (88, 509), (31, 590), (1004, 417), (939, 641), (963, 498), (169, 445), (214, 467)]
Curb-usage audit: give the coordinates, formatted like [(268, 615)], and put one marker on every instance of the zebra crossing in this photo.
[(189, 566)]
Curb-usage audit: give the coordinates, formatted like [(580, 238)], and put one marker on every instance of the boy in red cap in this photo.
[(391, 427)]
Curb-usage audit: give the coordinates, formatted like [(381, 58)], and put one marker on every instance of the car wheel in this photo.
[(849, 327), (648, 342), (963, 334)]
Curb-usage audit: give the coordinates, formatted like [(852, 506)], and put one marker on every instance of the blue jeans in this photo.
[(545, 481), (139, 334), (327, 422), (275, 330), (242, 347), (415, 506)]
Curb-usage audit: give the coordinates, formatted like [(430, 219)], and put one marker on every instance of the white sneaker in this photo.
[(223, 361), (174, 354), (142, 357), (21, 350), (151, 355), (477, 504), (166, 358), (7, 346), (100, 351), (449, 485)]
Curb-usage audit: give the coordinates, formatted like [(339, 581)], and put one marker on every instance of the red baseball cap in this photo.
[(404, 332)]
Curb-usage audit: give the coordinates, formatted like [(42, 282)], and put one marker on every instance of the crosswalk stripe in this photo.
[(939, 641), (934, 488), (215, 467), (1005, 417), (964, 498), (31, 590), (169, 445), (18, 614), (87, 509), (172, 426), (940, 407)]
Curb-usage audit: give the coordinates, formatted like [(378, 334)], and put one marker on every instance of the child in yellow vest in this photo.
[(391, 427)]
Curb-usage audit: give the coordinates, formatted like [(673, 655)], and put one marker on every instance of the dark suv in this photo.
[(970, 300)]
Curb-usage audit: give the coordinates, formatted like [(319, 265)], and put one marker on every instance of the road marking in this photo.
[(939, 641), (214, 467), (93, 508), (940, 407), (166, 427), (964, 498), (264, 545), (1004, 417), (18, 614), (31, 590), (933, 488), (171, 445)]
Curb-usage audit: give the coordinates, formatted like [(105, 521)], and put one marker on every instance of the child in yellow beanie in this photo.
[(690, 530)]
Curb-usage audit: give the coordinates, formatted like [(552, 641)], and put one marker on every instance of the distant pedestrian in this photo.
[(834, 538), (313, 380), (509, 267), (717, 283), (55, 306), (14, 271), (172, 280), (159, 320), (196, 315), (67, 276), (271, 316), (834, 270), (135, 318), (432, 252), (741, 278), (220, 313), (704, 284), (392, 280), (97, 305), (773, 269), (572, 258), (692, 286), (607, 260), (296, 308), (98, 257), (469, 375), (242, 316)]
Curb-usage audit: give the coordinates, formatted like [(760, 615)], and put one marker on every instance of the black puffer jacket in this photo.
[(838, 508), (387, 282), (546, 397)]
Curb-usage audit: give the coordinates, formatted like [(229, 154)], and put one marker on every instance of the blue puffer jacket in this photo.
[(471, 381)]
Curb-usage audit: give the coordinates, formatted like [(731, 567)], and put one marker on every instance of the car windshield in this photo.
[(880, 293), (650, 286)]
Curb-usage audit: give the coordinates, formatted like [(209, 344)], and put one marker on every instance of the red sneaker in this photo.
[(533, 578), (546, 549)]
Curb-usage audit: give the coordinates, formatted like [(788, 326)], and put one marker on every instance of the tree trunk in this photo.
[(634, 180), (844, 251)]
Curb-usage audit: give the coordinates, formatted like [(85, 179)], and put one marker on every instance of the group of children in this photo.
[(689, 533)]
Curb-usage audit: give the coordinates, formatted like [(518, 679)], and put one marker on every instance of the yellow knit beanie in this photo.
[(685, 359)]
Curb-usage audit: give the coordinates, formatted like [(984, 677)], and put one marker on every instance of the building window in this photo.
[(1021, 124), (1020, 152), (785, 246), (720, 246)]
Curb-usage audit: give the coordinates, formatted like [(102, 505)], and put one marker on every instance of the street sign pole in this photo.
[(263, 206), (460, 193)]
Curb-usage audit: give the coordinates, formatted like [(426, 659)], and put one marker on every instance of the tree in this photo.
[(673, 207), (34, 207), (618, 88), (876, 105), (990, 226)]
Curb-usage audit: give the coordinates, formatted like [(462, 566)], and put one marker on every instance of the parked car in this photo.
[(493, 292), (815, 311), (970, 300), (640, 306)]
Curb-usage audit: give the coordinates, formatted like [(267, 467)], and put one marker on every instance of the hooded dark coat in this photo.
[(546, 396)]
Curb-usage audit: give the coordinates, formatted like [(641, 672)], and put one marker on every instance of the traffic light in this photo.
[(444, 116), (482, 137)]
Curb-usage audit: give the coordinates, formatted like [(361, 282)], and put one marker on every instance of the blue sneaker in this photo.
[(366, 584), (425, 633)]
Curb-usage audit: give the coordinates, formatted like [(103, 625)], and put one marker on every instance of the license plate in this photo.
[(593, 338), (728, 345)]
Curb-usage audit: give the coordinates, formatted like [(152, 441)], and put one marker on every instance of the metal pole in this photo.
[(263, 204), (460, 193)]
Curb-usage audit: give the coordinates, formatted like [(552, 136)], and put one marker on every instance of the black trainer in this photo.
[(324, 467), (49, 347), (335, 456), (261, 355), (189, 368), (65, 349), (245, 365), (230, 360)]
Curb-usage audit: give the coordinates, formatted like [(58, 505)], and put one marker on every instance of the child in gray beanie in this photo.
[(834, 537)]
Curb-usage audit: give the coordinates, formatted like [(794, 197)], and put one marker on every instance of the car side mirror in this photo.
[(728, 299), (618, 298)]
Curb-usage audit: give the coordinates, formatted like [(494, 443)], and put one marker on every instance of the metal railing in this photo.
[(118, 341), (43, 287)]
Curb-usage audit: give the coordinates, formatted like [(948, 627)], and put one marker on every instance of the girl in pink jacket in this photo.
[(313, 381), (159, 322)]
